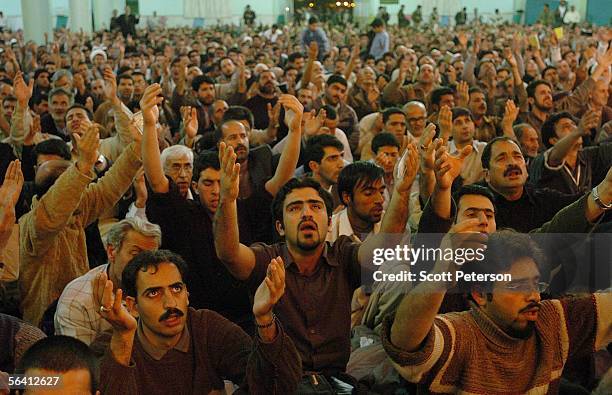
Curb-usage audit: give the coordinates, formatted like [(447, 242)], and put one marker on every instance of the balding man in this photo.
[(416, 117)]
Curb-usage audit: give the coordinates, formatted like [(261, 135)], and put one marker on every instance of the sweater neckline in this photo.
[(492, 331)]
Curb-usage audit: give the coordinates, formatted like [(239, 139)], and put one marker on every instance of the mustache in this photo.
[(531, 306), (240, 146), (169, 312), (512, 168), (310, 222)]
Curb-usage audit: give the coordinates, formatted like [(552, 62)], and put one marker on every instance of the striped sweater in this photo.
[(467, 353)]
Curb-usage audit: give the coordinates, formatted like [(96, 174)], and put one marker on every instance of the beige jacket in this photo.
[(52, 235)]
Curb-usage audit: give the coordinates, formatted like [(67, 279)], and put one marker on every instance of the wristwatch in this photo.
[(599, 202)]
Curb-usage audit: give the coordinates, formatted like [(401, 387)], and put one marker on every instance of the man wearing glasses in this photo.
[(510, 340)]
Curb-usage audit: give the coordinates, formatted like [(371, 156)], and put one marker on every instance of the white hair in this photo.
[(175, 151)]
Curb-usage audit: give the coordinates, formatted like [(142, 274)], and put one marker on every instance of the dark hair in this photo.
[(314, 150), (461, 112), (436, 94), (533, 85), (295, 183), (486, 152), (390, 111), (295, 55), (313, 19), (124, 77), (206, 159), (357, 174), (52, 147), (504, 248), (238, 113), (473, 189), (519, 129), (142, 262), (546, 69), (336, 79), (9, 98), (330, 112), (82, 107), (384, 140), (548, 127), (476, 89), (199, 80), (377, 22), (135, 73), (61, 354)]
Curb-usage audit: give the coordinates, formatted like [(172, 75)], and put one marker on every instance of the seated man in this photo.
[(76, 315), (566, 166), (522, 343), (317, 271), (64, 357), (174, 347), (16, 337)]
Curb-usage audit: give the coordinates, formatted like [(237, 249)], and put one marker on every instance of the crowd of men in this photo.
[(197, 210)]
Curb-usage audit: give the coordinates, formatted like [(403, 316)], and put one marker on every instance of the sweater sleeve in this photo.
[(418, 365), (104, 194), (116, 378), (273, 367)]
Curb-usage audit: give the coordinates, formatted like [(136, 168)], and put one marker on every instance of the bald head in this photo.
[(416, 116)]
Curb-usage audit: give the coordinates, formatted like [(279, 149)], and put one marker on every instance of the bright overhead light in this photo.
[(310, 5), (338, 4), (287, 9)]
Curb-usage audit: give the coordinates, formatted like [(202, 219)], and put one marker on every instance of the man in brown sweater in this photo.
[(173, 349), (521, 343)]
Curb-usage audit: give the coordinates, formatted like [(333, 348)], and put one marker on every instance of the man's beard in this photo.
[(524, 333), (267, 89), (542, 107), (309, 245)]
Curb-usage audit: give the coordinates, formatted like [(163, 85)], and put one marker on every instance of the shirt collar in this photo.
[(156, 353), (452, 148), (345, 227), (288, 259)]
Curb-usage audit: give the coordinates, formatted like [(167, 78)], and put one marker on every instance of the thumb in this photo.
[(465, 152)]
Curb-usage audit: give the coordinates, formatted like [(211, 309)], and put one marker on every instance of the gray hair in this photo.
[(61, 91), (61, 73), (117, 233), (175, 151)]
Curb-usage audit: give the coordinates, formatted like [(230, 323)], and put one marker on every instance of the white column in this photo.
[(80, 16), (36, 16)]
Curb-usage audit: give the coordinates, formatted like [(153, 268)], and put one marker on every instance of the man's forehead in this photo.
[(75, 111), (210, 174), (180, 159), (475, 202), (504, 147), (164, 275), (301, 195)]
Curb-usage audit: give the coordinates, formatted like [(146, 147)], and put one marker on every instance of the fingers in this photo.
[(465, 152), (469, 225)]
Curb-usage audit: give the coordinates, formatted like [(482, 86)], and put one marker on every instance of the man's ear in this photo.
[(314, 166), (130, 302), (279, 228), (487, 175), (346, 198), (479, 297), (553, 140), (194, 185), (110, 253)]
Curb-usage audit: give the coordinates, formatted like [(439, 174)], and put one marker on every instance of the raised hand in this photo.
[(445, 121), (13, 182), (87, 148), (230, 173), (34, 130), (463, 89), (148, 104), (273, 113), (140, 188), (110, 85), (23, 92), (190, 121), (108, 304), (590, 120), (511, 112), (406, 169), (463, 39), (271, 289), (447, 167), (427, 148), (373, 94), (314, 123), (291, 103)]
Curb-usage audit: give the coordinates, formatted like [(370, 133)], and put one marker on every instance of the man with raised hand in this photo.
[(172, 348), (317, 271), (52, 235)]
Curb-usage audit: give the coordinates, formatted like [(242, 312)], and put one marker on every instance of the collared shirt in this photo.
[(76, 313), (157, 353), (471, 171), (488, 129), (316, 308), (341, 226)]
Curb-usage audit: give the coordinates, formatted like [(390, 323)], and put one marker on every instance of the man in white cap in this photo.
[(98, 59)]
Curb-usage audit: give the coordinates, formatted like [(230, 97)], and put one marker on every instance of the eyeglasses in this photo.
[(525, 286), (420, 119)]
